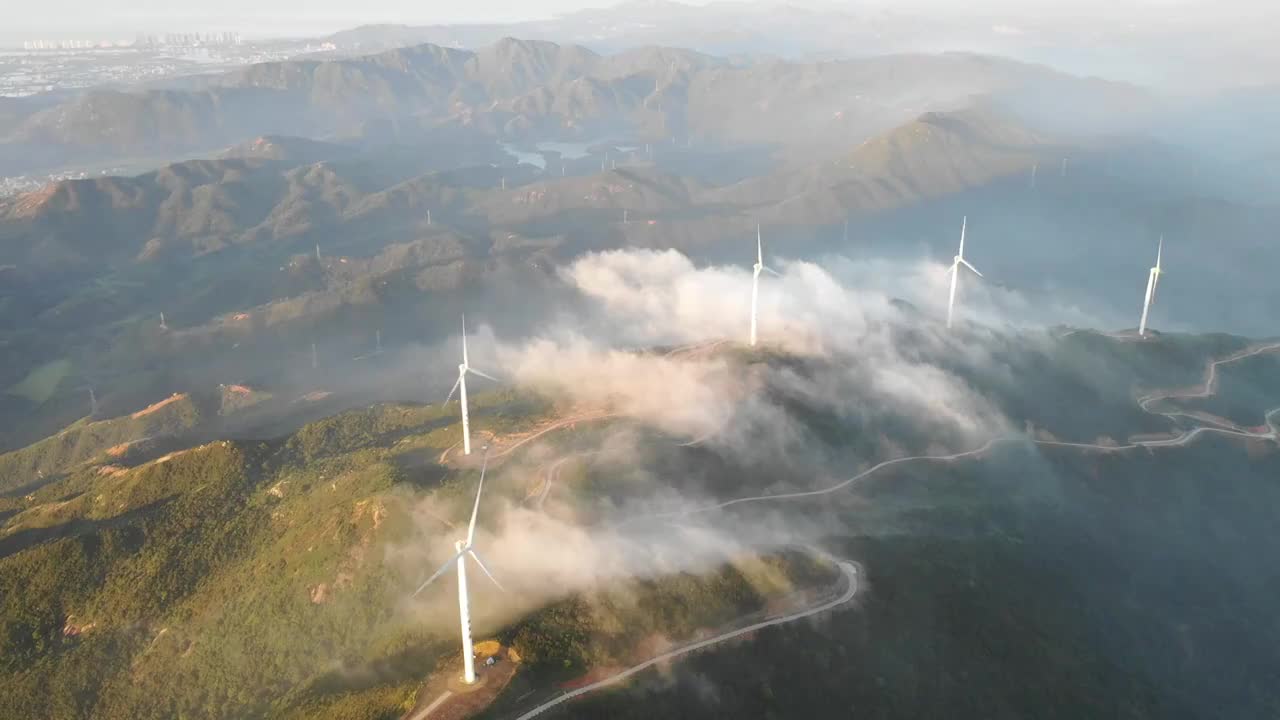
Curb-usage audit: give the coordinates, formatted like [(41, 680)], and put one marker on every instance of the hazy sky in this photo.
[(291, 17), (304, 17)]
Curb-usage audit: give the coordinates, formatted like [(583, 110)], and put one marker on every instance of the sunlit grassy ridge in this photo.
[(252, 579), (89, 439), (216, 580)]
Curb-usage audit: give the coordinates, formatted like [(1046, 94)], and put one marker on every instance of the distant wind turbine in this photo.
[(1034, 169), (955, 270), (162, 325), (428, 216), (755, 281), (1153, 279), (461, 388), (93, 404), (1064, 167), (466, 548)]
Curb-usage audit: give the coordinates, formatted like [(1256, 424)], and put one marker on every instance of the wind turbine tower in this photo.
[(955, 271), (1153, 279), (460, 387), (162, 325), (465, 548), (756, 269)]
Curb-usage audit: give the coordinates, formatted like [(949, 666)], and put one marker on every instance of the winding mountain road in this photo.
[(1206, 389), (851, 571), (821, 491), (851, 575), (1187, 436)]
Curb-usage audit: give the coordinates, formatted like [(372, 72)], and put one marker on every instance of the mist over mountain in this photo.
[(1167, 44), (514, 89), (931, 488)]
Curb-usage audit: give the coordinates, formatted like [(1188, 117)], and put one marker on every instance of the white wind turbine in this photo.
[(755, 281), (955, 270), (465, 548), (1153, 279), (461, 385)]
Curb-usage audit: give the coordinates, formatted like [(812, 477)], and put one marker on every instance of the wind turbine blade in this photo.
[(464, 338), (475, 510), (1159, 252), (974, 269), (480, 562), (759, 246), (964, 224), (771, 271), (438, 573), (456, 383), (483, 375)]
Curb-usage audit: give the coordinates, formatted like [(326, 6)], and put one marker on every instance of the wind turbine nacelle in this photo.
[(462, 369)]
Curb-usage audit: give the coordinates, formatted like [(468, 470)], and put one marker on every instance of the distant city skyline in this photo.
[(143, 40), (57, 19)]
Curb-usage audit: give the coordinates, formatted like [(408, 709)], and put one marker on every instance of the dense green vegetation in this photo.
[(1067, 586), (91, 439), (254, 579), (222, 581), (266, 578), (610, 627), (1244, 392)]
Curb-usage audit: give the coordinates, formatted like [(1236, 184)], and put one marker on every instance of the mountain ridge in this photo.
[(509, 89)]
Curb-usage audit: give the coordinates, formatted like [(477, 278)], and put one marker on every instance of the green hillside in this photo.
[(102, 440), (231, 579)]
